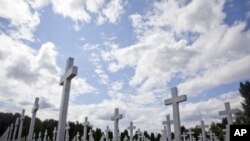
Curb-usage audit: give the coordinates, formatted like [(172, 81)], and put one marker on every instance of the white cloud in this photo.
[(21, 17), (28, 73)]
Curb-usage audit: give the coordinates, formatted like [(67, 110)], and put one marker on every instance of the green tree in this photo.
[(244, 116)]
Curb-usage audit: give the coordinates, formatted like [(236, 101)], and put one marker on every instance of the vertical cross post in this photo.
[(67, 132), (54, 134), (116, 118), (70, 72), (33, 119), (15, 130), (21, 126), (168, 122), (107, 133), (203, 130), (85, 126), (175, 100), (190, 133), (131, 128)]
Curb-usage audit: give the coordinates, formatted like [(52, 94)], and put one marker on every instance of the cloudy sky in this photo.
[(129, 54)]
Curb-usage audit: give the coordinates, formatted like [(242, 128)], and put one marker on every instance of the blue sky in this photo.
[(129, 54)]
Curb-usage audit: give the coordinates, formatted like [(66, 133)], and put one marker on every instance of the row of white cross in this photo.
[(71, 72)]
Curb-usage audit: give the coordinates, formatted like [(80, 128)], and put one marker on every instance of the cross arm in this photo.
[(71, 73)]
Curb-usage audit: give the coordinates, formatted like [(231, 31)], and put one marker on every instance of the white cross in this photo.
[(70, 72), (168, 122), (21, 126), (175, 100), (32, 122), (67, 132), (107, 133), (54, 134), (203, 130), (184, 136), (116, 118), (229, 113), (85, 125), (190, 133), (131, 127)]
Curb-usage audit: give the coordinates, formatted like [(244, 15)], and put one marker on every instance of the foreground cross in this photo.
[(203, 130), (21, 126), (116, 118), (70, 72), (32, 122), (229, 113), (85, 125), (168, 122), (175, 100), (130, 128)]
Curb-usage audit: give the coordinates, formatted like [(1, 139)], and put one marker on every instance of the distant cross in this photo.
[(211, 135), (184, 136), (168, 122), (203, 130), (126, 138), (91, 136), (77, 136), (54, 134), (200, 138), (229, 113), (16, 125), (21, 126), (39, 136), (190, 133), (67, 132), (164, 133), (45, 135), (131, 128), (32, 122), (175, 100), (102, 137), (70, 72), (138, 132), (85, 125), (107, 133), (116, 118)]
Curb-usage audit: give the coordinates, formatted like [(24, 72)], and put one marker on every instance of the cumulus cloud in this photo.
[(28, 73)]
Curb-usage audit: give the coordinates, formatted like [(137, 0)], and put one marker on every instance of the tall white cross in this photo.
[(229, 113), (107, 133), (77, 136), (54, 134), (85, 125), (15, 130), (116, 118), (168, 122), (70, 72), (33, 119), (184, 136), (45, 135), (203, 130), (131, 128), (164, 133), (67, 132), (10, 132), (211, 135), (190, 133), (21, 126), (175, 100), (200, 138)]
